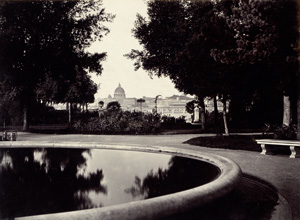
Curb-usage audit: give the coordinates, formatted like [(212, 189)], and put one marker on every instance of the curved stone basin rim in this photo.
[(153, 208)]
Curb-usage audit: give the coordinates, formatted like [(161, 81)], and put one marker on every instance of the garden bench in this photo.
[(267, 143)]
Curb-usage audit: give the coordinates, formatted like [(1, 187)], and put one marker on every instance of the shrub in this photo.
[(119, 122), (172, 122), (285, 132)]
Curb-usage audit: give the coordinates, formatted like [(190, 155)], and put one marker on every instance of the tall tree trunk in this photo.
[(225, 117), (298, 116), (70, 113), (286, 110), (298, 95), (216, 114), (25, 118), (202, 115), (298, 103), (202, 112)]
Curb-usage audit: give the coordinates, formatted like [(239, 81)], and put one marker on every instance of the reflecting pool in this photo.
[(51, 180)]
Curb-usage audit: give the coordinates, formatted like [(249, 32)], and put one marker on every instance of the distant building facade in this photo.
[(170, 106)]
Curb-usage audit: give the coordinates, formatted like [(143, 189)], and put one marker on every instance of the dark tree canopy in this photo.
[(43, 48), (191, 41), (240, 50), (113, 106)]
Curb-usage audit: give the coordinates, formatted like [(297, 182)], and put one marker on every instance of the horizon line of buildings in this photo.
[(170, 106), (174, 105)]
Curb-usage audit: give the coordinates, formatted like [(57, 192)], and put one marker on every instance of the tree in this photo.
[(229, 49), (7, 104), (46, 41), (189, 107), (263, 33), (298, 79), (81, 91), (177, 41), (113, 106)]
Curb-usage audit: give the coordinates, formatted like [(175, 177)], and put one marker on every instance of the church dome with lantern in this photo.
[(119, 93)]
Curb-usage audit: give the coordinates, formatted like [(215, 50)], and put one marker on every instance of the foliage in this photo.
[(210, 118), (10, 113), (9, 108), (119, 122), (82, 90), (126, 122), (263, 43), (285, 132), (170, 122), (113, 106), (239, 50), (43, 49), (170, 47), (254, 35), (189, 107), (45, 115)]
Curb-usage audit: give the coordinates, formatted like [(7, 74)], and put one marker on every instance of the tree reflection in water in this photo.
[(38, 181), (182, 174)]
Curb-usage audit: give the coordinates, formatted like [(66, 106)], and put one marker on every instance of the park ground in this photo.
[(280, 171)]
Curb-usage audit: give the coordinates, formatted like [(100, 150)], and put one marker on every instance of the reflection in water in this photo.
[(40, 181), (36, 181), (182, 174)]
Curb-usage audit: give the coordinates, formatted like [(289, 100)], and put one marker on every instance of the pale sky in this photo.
[(117, 68)]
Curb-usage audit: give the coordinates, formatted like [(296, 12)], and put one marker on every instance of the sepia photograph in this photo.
[(149, 109)]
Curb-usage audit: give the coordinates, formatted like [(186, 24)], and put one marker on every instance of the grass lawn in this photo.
[(235, 142)]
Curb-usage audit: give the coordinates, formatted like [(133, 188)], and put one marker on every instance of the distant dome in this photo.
[(119, 92)]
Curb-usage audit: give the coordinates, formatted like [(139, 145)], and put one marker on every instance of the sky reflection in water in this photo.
[(39, 181)]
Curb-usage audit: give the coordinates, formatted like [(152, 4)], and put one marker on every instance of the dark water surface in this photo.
[(40, 181)]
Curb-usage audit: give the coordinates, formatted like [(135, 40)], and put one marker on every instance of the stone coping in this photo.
[(153, 208)]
